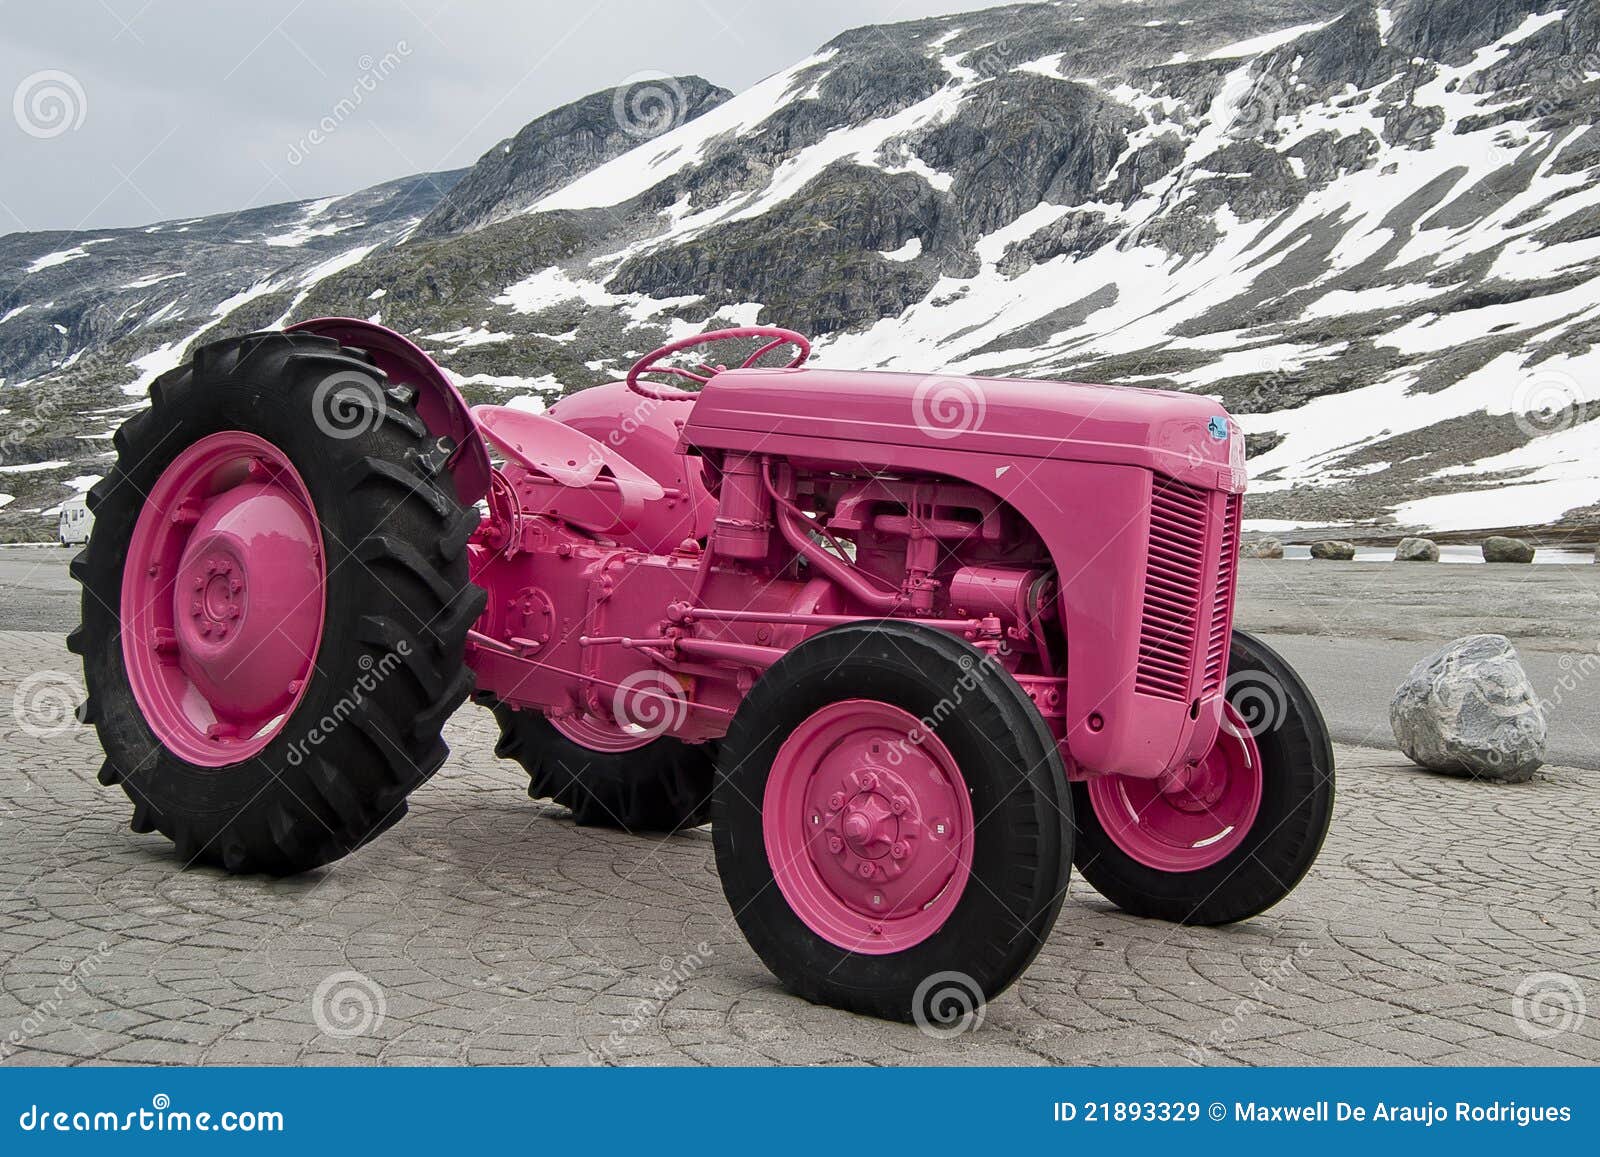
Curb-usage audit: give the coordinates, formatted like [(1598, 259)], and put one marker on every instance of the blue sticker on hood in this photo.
[(1218, 428)]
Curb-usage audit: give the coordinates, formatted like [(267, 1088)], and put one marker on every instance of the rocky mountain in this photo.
[(1372, 229), (567, 143)]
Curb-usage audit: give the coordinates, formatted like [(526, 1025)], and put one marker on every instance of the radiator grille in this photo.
[(1222, 601), (1173, 573)]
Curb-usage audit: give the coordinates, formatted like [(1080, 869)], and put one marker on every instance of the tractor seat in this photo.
[(571, 459)]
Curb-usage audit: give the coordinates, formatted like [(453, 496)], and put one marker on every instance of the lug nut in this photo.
[(836, 800), (867, 871), (899, 850), (835, 845), (898, 805)]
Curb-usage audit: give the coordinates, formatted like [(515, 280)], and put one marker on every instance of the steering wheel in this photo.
[(647, 364)]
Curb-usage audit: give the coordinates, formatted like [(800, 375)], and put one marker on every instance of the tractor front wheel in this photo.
[(892, 824), (1236, 835), (275, 605)]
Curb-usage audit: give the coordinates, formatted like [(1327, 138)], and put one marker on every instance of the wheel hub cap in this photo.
[(868, 830), (1194, 819), (223, 599)]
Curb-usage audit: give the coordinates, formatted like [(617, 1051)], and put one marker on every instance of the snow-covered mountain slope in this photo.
[(1372, 229)]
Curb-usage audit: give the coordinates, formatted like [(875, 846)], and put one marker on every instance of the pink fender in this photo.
[(439, 404)]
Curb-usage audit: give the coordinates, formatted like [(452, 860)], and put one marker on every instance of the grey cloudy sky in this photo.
[(125, 112)]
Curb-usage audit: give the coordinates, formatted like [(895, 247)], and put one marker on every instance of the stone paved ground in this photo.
[(493, 931)]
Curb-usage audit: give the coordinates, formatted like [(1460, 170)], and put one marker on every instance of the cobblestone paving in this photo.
[(486, 928)]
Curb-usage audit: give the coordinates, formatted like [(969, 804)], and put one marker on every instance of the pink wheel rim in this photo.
[(1186, 823), (598, 734), (223, 594), (868, 827)]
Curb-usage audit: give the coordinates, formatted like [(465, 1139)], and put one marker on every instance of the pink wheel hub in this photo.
[(1190, 821), (868, 830), (223, 594), (598, 734)]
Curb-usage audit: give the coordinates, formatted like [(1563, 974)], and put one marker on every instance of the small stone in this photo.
[(1416, 550), (1469, 709), (1261, 548), (1333, 550), (1499, 548)]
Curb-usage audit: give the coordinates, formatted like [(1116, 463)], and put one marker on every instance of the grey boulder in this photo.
[(1334, 551), (1499, 548), (1416, 550), (1469, 709), (1262, 548)]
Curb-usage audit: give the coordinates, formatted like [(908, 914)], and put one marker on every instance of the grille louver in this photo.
[(1169, 629), (1222, 600)]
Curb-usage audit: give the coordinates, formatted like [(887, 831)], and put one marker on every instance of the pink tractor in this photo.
[(913, 646)]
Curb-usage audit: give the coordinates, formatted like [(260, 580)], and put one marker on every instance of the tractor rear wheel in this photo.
[(275, 605), (606, 777), (892, 824), (1240, 833)]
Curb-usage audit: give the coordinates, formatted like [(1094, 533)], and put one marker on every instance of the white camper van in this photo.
[(76, 521)]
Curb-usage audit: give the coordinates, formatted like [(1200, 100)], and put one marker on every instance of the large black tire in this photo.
[(1022, 838), (394, 537), (1292, 821), (664, 786)]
